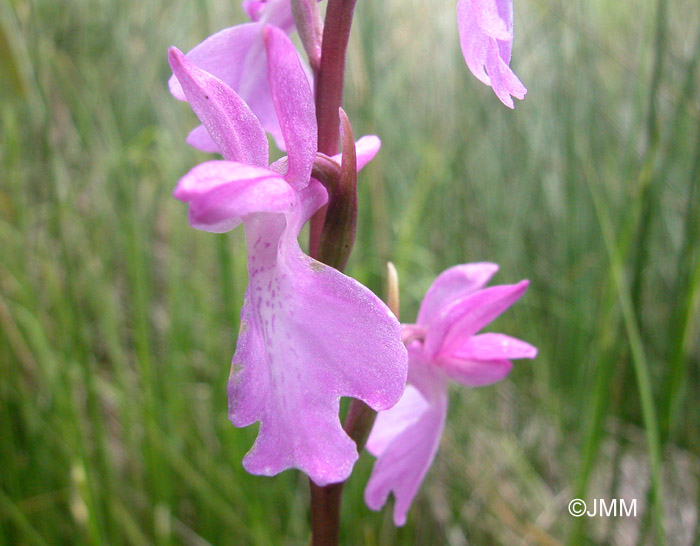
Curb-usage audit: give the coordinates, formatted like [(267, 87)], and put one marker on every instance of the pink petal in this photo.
[(312, 198), (474, 50), (294, 104), (503, 80), (404, 462), (254, 8), (231, 124), (237, 57), (505, 8), (483, 359), (466, 316), (392, 422), (366, 148), (222, 193), (452, 284), (200, 139), (279, 14), (485, 31), (477, 373), (254, 88), (489, 19), (223, 55), (309, 336), (492, 347)]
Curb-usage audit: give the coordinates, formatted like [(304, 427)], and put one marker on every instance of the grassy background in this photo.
[(118, 320)]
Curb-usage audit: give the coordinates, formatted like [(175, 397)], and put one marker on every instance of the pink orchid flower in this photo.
[(237, 56), (442, 345), (486, 37), (309, 334)]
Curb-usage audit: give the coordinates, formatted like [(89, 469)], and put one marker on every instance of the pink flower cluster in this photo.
[(309, 334)]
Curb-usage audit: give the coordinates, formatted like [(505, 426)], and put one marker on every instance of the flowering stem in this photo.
[(325, 501), (325, 514), (329, 92)]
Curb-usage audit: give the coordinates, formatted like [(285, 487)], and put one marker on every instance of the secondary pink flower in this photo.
[(237, 56), (273, 12), (486, 37), (309, 335), (442, 345)]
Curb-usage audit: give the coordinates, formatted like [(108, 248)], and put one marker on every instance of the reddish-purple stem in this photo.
[(325, 514), (329, 92), (325, 501)]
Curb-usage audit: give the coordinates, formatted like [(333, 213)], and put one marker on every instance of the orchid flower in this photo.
[(486, 37), (237, 56), (442, 345), (309, 335)]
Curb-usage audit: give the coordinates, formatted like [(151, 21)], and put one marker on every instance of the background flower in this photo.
[(486, 37), (442, 345)]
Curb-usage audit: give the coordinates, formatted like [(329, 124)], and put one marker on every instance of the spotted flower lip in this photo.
[(443, 345), (238, 57), (486, 38), (309, 334)]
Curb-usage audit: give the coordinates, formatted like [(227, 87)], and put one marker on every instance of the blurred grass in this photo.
[(118, 321)]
